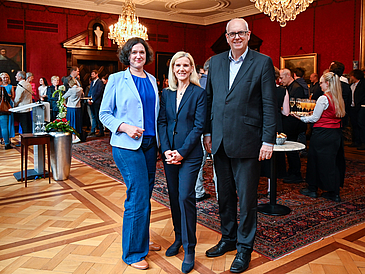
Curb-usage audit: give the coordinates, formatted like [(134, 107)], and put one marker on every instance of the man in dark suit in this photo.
[(292, 127), (96, 94), (357, 109), (241, 132), (74, 73), (338, 68)]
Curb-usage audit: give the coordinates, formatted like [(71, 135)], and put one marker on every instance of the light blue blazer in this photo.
[(122, 104)]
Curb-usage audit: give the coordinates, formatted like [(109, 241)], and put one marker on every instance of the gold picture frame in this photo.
[(306, 61)]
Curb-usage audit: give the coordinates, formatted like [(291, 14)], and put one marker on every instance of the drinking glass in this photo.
[(292, 103), (298, 104)]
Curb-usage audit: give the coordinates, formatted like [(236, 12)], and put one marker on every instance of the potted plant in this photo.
[(61, 140)]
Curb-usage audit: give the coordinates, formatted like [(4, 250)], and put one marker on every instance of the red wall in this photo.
[(328, 28)]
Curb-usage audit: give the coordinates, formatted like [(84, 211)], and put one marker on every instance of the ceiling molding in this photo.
[(211, 12)]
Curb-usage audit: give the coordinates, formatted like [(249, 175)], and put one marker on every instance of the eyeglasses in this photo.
[(241, 33)]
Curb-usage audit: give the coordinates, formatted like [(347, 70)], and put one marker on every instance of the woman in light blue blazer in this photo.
[(129, 109)]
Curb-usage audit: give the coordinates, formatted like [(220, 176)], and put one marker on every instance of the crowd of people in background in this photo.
[(204, 113), (81, 113)]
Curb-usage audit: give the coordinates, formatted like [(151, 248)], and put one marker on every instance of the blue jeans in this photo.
[(95, 108), (4, 123), (138, 168)]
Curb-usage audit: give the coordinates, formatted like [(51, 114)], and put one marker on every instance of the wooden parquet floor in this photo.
[(74, 226)]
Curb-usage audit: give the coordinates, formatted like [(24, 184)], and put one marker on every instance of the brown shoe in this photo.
[(142, 265), (154, 247)]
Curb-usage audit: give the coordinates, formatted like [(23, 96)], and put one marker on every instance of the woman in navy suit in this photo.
[(180, 125), (129, 109)]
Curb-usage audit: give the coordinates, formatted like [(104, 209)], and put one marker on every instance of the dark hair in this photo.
[(198, 67), (125, 51), (337, 68), (95, 71), (44, 81), (73, 68), (358, 74), (299, 72)]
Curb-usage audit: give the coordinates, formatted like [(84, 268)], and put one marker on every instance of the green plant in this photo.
[(61, 124)]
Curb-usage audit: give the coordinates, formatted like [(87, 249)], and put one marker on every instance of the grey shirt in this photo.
[(73, 96)]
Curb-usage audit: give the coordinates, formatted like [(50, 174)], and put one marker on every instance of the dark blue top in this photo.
[(147, 94)]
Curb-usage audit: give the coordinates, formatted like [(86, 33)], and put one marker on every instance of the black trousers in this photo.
[(181, 186), (237, 176), (354, 119), (25, 120), (292, 128), (326, 160)]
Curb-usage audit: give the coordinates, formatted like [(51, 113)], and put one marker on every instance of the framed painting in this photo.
[(162, 67), (12, 59), (308, 62)]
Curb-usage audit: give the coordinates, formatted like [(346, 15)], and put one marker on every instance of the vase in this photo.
[(61, 144)]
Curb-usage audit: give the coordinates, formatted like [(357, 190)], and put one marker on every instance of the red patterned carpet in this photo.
[(309, 220)]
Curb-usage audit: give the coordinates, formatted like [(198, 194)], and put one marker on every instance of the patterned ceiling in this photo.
[(201, 12)]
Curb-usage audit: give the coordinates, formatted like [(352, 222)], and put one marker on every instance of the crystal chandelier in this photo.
[(127, 26), (283, 10)]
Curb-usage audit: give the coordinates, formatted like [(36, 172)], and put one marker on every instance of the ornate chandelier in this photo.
[(283, 10), (127, 26)]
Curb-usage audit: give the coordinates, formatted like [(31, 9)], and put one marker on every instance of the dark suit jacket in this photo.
[(359, 94), (52, 100), (244, 116), (316, 91), (96, 91), (182, 130)]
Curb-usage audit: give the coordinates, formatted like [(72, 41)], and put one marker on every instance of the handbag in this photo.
[(4, 104)]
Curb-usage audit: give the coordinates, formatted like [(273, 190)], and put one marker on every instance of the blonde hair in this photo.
[(54, 78), (72, 82), (334, 87), (172, 78), (2, 75)]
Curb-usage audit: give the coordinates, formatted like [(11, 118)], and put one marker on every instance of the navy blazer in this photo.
[(182, 129), (96, 91)]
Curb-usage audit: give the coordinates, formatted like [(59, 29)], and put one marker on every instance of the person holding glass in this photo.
[(181, 122), (326, 159), (129, 109)]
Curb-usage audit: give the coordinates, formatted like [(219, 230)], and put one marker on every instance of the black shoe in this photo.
[(92, 133), (362, 147), (187, 267), (205, 196), (353, 145), (8, 146), (307, 192), (240, 263), (220, 249), (331, 196), (173, 249), (293, 179), (100, 134)]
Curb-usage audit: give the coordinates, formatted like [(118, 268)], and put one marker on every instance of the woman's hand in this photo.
[(132, 131), (294, 115)]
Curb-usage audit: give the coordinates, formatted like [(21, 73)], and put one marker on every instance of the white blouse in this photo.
[(42, 90), (321, 105)]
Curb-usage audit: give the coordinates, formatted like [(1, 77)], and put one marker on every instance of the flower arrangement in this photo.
[(61, 124)]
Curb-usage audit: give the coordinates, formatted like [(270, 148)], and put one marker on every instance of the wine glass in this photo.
[(298, 103), (292, 103)]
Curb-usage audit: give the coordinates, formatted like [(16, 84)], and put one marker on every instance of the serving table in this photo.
[(273, 208)]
